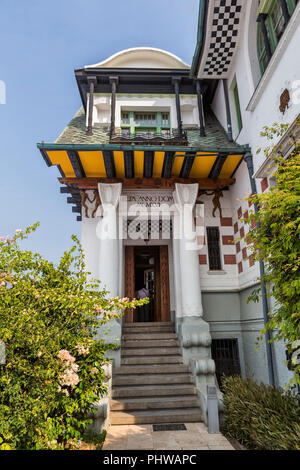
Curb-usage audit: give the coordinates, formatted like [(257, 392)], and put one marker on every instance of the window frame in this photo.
[(238, 112), (272, 27), (135, 126), (209, 244), (261, 49), (271, 30), (291, 4)]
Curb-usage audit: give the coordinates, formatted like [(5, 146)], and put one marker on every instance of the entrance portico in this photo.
[(138, 168), (166, 228)]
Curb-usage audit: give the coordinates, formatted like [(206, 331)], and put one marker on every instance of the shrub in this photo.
[(259, 416), (49, 318), (275, 239)]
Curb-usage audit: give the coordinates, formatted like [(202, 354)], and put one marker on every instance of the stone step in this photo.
[(139, 391), (156, 416), (154, 403), (149, 351), (151, 369), (152, 379), (149, 343), (148, 336), (148, 330), (152, 385), (147, 324), (138, 360)]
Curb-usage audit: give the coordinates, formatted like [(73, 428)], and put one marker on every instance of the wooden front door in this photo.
[(161, 281)]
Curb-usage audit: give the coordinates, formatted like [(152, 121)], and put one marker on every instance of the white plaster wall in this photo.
[(241, 189), (218, 105), (189, 107), (90, 244)]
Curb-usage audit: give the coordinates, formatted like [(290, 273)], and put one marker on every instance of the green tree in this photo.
[(275, 238), (49, 318)]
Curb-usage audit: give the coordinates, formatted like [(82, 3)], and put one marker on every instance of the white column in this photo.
[(185, 196), (107, 232), (193, 331)]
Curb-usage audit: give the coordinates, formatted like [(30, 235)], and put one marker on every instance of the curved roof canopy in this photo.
[(142, 57)]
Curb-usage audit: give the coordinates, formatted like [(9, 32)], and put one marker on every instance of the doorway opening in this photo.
[(147, 275), (146, 271)]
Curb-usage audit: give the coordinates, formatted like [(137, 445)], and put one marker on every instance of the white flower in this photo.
[(75, 367), (65, 356), (69, 378)]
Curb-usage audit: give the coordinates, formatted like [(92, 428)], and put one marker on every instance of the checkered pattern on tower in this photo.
[(222, 36)]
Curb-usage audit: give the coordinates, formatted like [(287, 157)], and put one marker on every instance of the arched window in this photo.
[(273, 16)]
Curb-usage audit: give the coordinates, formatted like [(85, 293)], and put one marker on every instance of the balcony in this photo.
[(174, 137)]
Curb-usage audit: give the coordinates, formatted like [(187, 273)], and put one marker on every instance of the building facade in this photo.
[(159, 162)]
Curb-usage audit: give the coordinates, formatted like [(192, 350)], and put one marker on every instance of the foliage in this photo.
[(96, 440), (275, 238), (49, 318), (260, 417)]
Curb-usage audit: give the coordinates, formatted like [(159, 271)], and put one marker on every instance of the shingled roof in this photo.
[(75, 133)]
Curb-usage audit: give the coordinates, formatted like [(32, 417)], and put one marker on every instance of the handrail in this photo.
[(140, 136)]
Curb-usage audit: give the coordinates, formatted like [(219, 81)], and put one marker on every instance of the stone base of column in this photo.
[(194, 338)]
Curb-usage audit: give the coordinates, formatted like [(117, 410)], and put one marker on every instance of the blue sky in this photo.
[(42, 42)]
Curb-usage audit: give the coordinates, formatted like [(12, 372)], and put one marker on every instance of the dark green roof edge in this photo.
[(203, 6), (163, 148)]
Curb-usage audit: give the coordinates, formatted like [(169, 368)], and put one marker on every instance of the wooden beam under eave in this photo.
[(217, 166), (76, 163), (147, 183)]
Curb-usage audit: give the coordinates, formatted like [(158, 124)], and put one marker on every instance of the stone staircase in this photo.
[(152, 385)]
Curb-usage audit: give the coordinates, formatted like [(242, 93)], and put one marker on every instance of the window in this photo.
[(145, 119), (275, 23), (125, 118), (262, 53), (237, 108), (165, 119), (213, 244), (225, 353), (145, 123)]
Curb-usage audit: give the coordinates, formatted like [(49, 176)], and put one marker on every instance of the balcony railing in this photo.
[(166, 138)]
